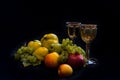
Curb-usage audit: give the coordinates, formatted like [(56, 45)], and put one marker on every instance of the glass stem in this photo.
[(88, 50)]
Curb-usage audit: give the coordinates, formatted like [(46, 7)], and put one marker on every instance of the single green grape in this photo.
[(19, 51)]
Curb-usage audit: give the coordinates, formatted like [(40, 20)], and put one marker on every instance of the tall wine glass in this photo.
[(88, 33), (72, 28)]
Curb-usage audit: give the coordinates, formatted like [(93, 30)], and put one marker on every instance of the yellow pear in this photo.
[(49, 39)]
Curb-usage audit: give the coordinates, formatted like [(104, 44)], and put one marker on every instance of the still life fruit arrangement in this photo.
[(65, 56)]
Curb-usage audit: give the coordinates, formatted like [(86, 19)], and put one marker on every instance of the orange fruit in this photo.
[(40, 53), (65, 70), (51, 60)]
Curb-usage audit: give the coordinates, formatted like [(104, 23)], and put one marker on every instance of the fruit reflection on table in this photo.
[(65, 56)]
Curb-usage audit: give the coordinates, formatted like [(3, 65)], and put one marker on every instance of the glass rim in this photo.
[(88, 24), (73, 24)]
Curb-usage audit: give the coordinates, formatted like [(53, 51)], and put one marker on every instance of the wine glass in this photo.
[(72, 29), (88, 33)]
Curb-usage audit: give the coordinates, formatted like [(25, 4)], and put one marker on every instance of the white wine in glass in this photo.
[(72, 29), (88, 33)]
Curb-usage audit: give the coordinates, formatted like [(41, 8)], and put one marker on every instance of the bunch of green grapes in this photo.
[(24, 54), (63, 57), (75, 49), (68, 47)]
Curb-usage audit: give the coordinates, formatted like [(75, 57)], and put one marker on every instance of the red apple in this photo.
[(76, 60)]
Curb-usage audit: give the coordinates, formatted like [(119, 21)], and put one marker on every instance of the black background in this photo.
[(27, 20)]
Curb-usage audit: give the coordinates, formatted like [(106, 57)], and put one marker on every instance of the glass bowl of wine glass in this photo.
[(72, 28)]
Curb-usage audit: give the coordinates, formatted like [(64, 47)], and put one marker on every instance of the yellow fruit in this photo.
[(47, 43), (40, 53), (34, 44), (51, 60), (49, 39), (65, 70), (49, 36)]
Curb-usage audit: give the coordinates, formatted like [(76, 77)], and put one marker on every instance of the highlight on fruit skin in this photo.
[(65, 70)]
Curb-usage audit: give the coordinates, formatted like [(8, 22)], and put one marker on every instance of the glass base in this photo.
[(91, 61)]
